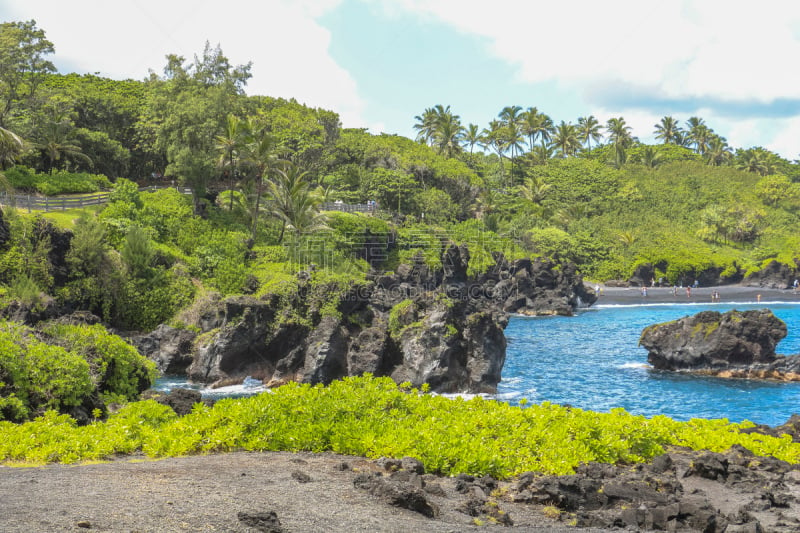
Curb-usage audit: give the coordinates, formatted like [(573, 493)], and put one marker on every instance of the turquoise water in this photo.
[(592, 361)]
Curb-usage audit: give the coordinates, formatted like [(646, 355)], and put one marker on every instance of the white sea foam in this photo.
[(695, 303), (634, 365)]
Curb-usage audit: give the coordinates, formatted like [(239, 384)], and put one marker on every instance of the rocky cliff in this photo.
[(440, 327), (732, 344)]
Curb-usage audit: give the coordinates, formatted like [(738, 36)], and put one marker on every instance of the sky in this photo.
[(380, 63)]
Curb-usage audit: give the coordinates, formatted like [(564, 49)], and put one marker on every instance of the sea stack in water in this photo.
[(732, 344)]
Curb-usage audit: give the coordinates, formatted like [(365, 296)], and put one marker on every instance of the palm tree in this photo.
[(649, 157), (294, 202), (534, 189), (263, 152), (425, 125), (589, 130), (542, 153), (55, 142), (668, 130), (229, 145), (718, 152), (511, 118), (757, 160), (535, 124), (447, 133), (699, 134), (565, 139), (429, 121), (472, 136), (11, 146), (619, 133), (494, 136)]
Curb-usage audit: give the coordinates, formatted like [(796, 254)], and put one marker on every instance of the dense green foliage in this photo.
[(27, 180), (58, 367), (375, 417)]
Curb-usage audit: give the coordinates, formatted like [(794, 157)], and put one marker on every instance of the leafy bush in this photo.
[(62, 366), (56, 182), (374, 417), (117, 367)]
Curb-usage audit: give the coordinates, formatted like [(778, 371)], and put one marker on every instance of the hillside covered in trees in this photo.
[(266, 175)]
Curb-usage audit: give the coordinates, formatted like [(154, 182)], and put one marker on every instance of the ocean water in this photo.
[(593, 361)]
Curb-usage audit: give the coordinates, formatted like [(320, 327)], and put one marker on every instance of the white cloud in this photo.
[(288, 48), (726, 49)]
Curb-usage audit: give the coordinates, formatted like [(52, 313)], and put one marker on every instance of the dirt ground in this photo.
[(206, 493)]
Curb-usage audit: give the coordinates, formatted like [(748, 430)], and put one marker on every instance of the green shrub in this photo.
[(56, 182), (63, 366), (116, 367), (374, 417)]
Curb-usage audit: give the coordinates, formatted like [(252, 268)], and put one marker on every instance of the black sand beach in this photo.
[(727, 293)]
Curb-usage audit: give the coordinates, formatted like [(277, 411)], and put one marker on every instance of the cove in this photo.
[(592, 361)]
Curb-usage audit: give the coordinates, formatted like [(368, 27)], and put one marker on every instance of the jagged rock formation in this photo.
[(681, 490), (774, 275), (443, 327), (172, 349), (733, 344)]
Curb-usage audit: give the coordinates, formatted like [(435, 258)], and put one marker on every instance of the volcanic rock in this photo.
[(713, 341)]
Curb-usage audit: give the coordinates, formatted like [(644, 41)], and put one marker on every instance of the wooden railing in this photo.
[(349, 208), (62, 203)]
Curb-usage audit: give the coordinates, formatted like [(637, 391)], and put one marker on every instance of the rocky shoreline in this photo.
[(442, 327)]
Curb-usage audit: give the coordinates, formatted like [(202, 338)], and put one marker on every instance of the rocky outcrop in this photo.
[(681, 490), (172, 349), (774, 275), (439, 327), (733, 344)]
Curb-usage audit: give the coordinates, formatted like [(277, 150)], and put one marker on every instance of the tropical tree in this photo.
[(426, 125), (541, 153), (565, 139), (534, 189), (536, 125), (56, 142), (11, 146), (649, 157), (668, 131), (263, 152), (472, 136), (511, 118), (229, 146), (495, 137), (448, 133), (619, 133), (589, 130), (776, 188), (292, 199), (757, 160), (23, 67), (699, 134), (718, 152)]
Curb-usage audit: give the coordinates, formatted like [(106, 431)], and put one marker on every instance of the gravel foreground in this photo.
[(308, 492)]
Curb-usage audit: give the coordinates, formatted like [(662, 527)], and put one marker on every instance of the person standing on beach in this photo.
[(688, 291)]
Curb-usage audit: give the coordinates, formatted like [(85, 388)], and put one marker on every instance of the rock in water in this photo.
[(714, 341)]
